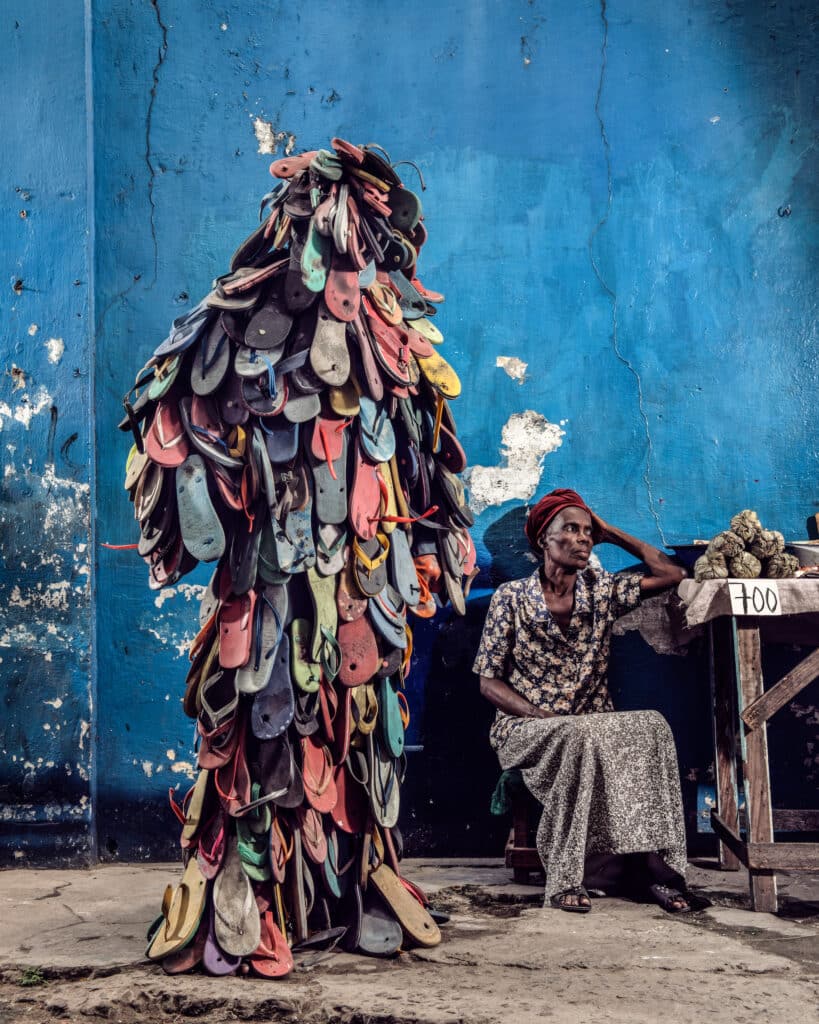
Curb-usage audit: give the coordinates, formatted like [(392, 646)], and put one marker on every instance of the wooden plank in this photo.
[(723, 696), (778, 695), (796, 820), (755, 771), (787, 819), (730, 838), (783, 856)]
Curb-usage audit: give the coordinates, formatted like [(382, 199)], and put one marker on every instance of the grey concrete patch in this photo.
[(731, 917)]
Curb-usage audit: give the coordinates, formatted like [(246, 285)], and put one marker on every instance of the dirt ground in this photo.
[(71, 951)]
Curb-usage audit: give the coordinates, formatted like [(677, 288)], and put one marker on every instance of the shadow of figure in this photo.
[(447, 804)]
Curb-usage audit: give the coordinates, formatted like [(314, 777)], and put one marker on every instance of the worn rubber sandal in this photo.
[(182, 910), (579, 892), (416, 922)]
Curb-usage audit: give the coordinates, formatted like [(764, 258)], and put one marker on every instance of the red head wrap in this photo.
[(547, 508)]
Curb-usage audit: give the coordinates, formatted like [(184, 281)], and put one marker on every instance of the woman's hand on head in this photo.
[(599, 529)]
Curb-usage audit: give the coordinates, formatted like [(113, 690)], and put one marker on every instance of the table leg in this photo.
[(755, 770), (723, 695)]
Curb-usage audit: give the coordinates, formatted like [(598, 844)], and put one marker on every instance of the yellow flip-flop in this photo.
[(427, 329), (439, 374), (413, 918), (344, 399), (181, 912)]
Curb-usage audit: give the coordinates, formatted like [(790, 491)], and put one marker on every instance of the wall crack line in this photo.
[(612, 295), (161, 54)]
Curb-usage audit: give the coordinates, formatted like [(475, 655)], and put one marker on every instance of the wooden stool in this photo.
[(521, 854)]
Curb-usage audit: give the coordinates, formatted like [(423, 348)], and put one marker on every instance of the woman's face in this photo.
[(568, 541)]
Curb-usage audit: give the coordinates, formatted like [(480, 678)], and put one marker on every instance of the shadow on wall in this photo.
[(511, 555)]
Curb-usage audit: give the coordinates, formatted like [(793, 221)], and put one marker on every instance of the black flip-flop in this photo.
[(573, 908), (665, 897)]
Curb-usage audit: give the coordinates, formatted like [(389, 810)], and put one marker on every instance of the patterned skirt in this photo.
[(608, 782)]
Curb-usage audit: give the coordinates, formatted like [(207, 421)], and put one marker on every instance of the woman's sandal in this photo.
[(669, 899), (579, 892)]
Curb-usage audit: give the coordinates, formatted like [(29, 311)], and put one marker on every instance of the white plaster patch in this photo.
[(62, 511), (32, 330), (53, 596), (184, 768), (526, 439), (10, 471), (148, 768), (183, 646), (269, 140), (170, 753), (29, 406), (189, 591), (715, 119), (55, 348), (513, 367), (57, 703), (17, 636), (85, 728)]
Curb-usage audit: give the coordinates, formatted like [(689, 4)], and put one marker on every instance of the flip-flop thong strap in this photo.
[(371, 564), (330, 654)]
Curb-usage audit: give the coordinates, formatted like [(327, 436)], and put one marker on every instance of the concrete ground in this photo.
[(71, 949)]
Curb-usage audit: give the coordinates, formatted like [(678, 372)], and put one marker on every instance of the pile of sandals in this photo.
[(294, 430)]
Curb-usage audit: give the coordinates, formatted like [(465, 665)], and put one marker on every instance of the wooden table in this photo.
[(742, 615)]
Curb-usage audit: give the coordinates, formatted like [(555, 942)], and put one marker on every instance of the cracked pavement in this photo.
[(72, 949)]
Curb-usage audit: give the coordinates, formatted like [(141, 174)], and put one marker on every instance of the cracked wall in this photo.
[(620, 213)]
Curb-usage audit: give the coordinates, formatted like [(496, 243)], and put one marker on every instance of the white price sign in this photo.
[(754, 597)]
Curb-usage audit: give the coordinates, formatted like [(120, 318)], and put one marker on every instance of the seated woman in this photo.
[(608, 781)]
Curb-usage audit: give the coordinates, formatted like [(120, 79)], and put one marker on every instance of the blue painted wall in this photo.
[(45, 439), (619, 196)]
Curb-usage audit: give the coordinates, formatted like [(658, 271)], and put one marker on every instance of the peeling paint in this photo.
[(60, 511), (44, 811), (526, 439), (170, 753), (32, 330), (190, 591), (55, 348), (184, 768), (29, 406), (53, 596), (269, 139), (513, 367), (18, 635), (57, 703), (148, 768), (18, 378)]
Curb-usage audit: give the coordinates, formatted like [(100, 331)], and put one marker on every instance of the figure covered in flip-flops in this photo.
[(293, 429), (608, 781)]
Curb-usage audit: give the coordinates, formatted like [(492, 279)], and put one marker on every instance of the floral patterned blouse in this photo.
[(523, 646)]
